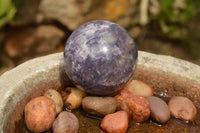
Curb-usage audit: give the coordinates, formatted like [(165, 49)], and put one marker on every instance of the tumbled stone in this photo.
[(139, 88), (115, 123), (99, 106), (74, 99), (136, 106), (40, 114), (66, 122), (56, 97), (159, 109), (183, 108)]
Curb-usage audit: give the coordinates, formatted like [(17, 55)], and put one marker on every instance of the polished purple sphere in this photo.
[(100, 57)]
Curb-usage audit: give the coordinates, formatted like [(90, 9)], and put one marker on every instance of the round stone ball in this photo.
[(100, 57)]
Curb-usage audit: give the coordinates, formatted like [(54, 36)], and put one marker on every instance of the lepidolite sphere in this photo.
[(100, 57)]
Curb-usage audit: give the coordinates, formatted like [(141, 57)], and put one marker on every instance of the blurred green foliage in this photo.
[(173, 20), (7, 11)]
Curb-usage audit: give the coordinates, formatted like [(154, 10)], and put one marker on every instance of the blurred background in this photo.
[(32, 28)]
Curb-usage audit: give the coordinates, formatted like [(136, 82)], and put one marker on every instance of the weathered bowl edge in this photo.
[(31, 78)]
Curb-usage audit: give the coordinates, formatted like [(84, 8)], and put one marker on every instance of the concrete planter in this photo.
[(167, 75)]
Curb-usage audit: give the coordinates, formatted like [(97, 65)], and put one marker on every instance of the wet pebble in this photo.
[(159, 109), (115, 123), (139, 88), (99, 106), (183, 108), (136, 106), (56, 97), (40, 114), (66, 122), (74, 99)]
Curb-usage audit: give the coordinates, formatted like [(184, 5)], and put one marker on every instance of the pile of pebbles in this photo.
[(136, 101)]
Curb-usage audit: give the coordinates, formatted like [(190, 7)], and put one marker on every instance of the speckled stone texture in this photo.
[(100, 56)]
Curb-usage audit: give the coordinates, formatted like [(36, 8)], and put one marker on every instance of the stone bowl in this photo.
[(167, 75)]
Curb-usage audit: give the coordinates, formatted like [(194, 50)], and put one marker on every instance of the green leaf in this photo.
[(4, 4), (11, 10)]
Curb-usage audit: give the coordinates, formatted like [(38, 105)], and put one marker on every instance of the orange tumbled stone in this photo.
[(115, 123)]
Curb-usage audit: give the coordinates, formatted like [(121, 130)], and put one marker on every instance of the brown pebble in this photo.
[(183, 108), (139, 88), (66, 122), (115, 123), (159, 109), (99, 106)]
